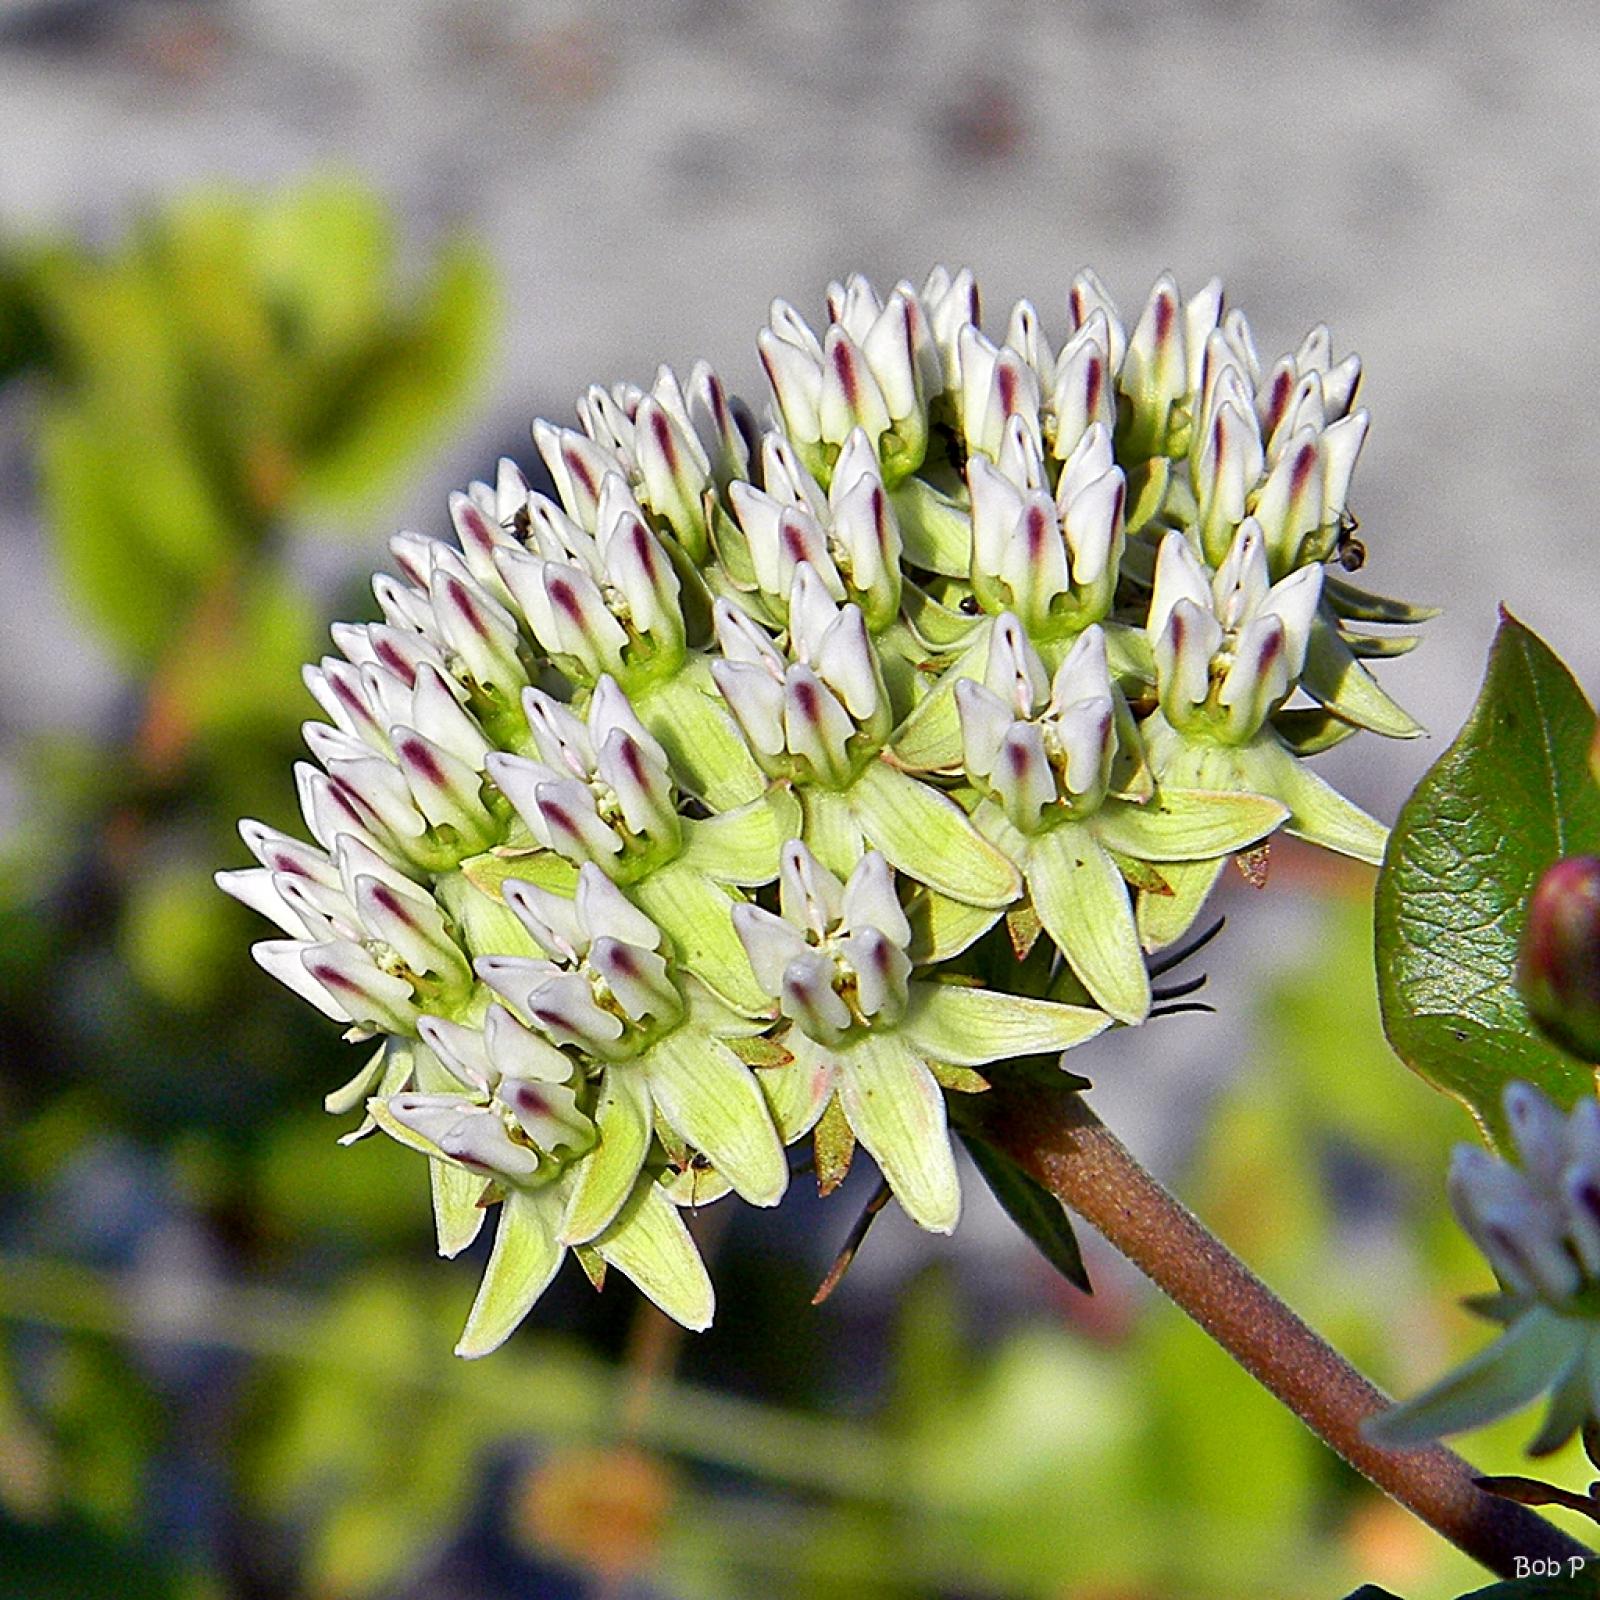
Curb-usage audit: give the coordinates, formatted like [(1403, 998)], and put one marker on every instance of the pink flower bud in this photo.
[(1559, 969)]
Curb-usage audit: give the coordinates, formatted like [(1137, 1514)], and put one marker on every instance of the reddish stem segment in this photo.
[(1054, 1136)]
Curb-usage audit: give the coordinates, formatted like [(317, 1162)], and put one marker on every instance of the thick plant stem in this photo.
[(1053, 1135)]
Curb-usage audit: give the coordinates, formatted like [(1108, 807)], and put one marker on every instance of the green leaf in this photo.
[(1033, 1208), (524, 1260), (896, 1110), (121, 583), (1512, 795), (930, 838), (1187, 824), (1084, 906), (649, 1244), (969, 1027), (1533, 1353), (324, 251), (606, 1176), (711, 1098)]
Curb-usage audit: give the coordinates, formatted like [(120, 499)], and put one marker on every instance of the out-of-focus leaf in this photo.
[(225, 672), (73, 1560), (381, 405), (324, 252), (1509, 797), (124, 590), (23, 341), (176, 932)]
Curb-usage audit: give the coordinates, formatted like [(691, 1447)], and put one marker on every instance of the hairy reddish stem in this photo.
[(1053, 1136)]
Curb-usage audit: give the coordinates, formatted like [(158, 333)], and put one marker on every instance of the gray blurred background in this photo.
[(1424, 177)]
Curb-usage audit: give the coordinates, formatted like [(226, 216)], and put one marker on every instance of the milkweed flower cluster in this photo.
[(1537, 1220), (779, 775)]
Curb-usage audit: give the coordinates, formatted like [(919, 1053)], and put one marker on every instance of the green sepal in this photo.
[(1317, 811), (896, 1109), (343, 1100), (1144, 876), (935, 531), (1379, 647), (697, 915), (457, 1192), (712, 1100), (937, 626), (458, 1206), (1129, 657), (971, 1027), (606, 1176), (594, 1268), (1346, 600), (830, 829), (942, 928), (959, 1080), (930, 838), (741, 846), (1147, 491), (733, 567), (698, 1184), (1187, 824), (649, 1244), (524, 1260), (760, 1051), (473, 897), (1568, 1409), (797, 1094), (1033, 1208), (1163, 919), (1085, 908), (1309, 730), (1266, 767), (1531, 1355), (834, 1146), (706, 751), (929, 740), (1131, 777), (1334, 677), (1023, 928)]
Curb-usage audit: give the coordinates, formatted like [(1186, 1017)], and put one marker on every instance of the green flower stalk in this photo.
[(718, 800)]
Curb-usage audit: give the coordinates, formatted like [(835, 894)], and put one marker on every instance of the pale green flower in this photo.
[(665, 818)]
